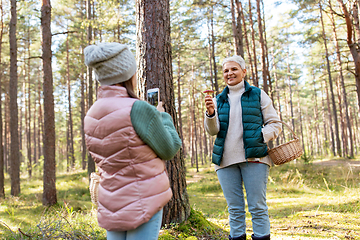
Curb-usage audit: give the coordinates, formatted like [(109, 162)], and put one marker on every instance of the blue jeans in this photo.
[(147, 231), (254, 176)]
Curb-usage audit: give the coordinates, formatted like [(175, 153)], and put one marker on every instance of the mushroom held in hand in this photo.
[(208, 91)]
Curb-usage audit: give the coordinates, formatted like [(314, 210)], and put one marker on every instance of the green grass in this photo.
[(306, 201), (73, 216)]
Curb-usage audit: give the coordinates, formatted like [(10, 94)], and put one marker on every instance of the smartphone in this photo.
[(153, 96)]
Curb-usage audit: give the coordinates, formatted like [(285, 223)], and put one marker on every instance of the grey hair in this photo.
[(237, 59)]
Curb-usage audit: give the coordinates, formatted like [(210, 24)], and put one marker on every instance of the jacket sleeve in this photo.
[(156, 129), (272, 130), (212, 124)]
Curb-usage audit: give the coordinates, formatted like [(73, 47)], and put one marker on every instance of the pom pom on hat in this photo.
[(112, 62)]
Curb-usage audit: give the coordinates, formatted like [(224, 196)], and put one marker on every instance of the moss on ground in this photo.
[(195, 227)]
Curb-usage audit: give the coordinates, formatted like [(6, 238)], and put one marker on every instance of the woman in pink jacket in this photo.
[(128, 139)]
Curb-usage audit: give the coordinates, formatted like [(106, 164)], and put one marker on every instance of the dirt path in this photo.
[(340, 162)]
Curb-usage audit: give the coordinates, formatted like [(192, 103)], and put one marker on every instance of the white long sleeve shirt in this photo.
[(234, 151)]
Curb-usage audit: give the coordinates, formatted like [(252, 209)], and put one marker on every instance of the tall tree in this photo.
[(49, 178), (2, 189), (70, 156), (338, 147), (241, 10), (256, 80), (155, 70), (237, 28), (262, 44), (353, 45), (91, 163), (14, 150)]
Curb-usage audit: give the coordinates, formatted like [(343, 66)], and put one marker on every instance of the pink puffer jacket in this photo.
[(134, 184)]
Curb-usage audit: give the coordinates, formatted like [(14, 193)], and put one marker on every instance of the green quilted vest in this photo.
[(252, 123)]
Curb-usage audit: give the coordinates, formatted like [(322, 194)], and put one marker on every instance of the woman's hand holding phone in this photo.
[(160, 107)]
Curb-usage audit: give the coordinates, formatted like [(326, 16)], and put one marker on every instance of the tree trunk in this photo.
[(342, 122), (323, 94), (210, 58), (213, 51), (82, 115), (354, 49), (153, 42), (237, 28), (291, 94), (301, 123), (28, 127), (41, 125), (247, 44), (195, 125), (343, 95), (272, 94), (27, 105), (179, 102), (206, 149), (6, 133), (262, 44), (2, 189), (82, 110), (331, 89), (277, 90), (49, 194), (330, 119), (256, 80), (316, 115), (91, 163), (71, 131), (14, 149)]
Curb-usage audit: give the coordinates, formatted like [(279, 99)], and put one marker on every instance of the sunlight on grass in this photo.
[(306, 201), (73, 215)]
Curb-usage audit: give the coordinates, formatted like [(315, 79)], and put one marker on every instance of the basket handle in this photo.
[(273, 121)]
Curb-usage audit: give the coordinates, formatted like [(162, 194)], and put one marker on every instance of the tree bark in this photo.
[(155, 70), (41, 125), (338, 146), (344, 95), (49, 178), (326, 141), (262, 44), (316, 115), (14, 148), (213, 50), (241, 10), (291, 94), (82, 103), (179, 102), (2, 189), (237, 28), (210, 57), (71, 131), (256, 80), (354, 49), (91, 163)]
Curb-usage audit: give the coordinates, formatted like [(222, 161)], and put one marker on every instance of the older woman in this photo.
[(240, 116)]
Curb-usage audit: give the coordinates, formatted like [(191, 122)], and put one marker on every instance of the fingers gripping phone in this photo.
[(153, 96)]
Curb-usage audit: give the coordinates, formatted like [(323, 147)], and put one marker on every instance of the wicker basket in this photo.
[(94, 187), (286, 152)]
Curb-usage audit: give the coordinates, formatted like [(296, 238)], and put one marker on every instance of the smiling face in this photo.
[(233, 73)]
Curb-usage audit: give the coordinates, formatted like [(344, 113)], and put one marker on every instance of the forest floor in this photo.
[(319, 200)]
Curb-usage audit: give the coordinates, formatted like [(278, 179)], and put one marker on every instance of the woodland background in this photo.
[(305, 58)]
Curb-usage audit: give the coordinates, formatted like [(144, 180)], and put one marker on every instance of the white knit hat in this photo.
[(112, 62), (237, 59)]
